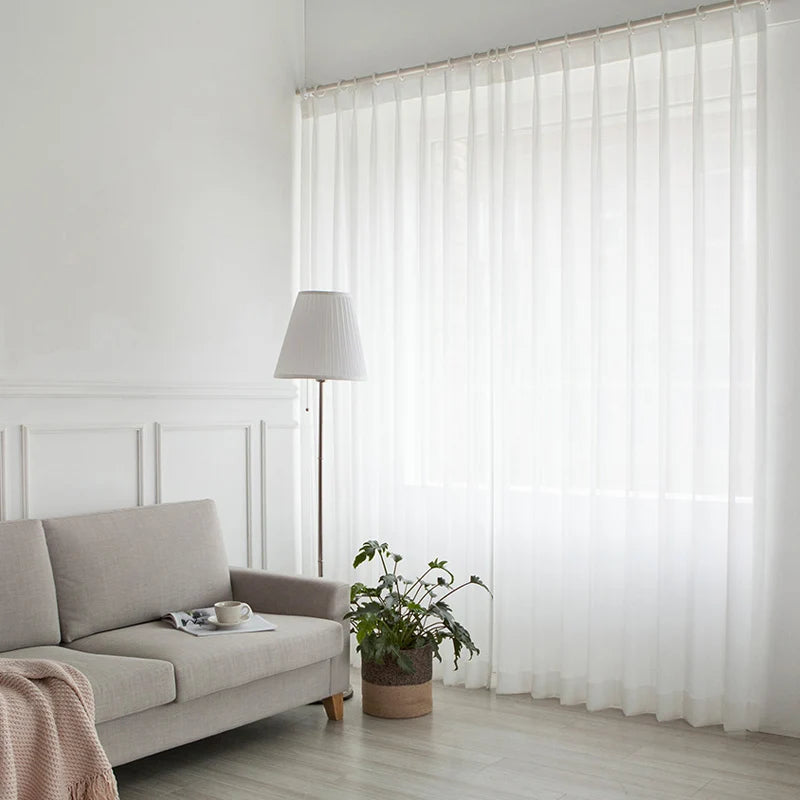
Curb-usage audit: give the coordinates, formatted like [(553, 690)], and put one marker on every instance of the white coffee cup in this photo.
[(229, 612)]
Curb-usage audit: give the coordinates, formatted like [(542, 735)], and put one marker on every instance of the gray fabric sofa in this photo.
[(90, 590)]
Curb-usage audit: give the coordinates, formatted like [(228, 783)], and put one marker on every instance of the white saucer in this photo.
[(214, 621)]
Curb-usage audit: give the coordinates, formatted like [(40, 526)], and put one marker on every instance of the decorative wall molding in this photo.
[(221, 391), (2, 474), (247, 427), (27, 431), (266, 427)]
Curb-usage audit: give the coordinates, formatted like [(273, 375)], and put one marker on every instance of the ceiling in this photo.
[(347, 38)]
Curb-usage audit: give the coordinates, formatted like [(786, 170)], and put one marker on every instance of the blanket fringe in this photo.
[(102, 786)]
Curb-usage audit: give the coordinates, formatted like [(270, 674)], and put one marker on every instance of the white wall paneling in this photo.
[(2, 474), (210, 459), (279, 488), (71, 448), (81, 468)]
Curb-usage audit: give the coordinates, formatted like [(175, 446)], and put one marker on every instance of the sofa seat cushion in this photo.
[(208, 664), (121, 686)]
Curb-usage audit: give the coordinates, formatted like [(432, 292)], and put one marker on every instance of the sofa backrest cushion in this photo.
[(27, 592), (121, 568)]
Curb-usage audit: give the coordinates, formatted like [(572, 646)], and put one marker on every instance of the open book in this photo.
[(197, 623)]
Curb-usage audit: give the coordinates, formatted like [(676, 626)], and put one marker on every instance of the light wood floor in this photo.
[(474, 745)]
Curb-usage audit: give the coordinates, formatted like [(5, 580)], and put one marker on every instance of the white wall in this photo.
[(145, 259), (348, 38), (146, 171)]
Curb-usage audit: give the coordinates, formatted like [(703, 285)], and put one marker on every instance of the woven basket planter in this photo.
[(388, 692)]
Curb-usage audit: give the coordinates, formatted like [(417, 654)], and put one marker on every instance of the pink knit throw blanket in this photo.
[(49, 748)]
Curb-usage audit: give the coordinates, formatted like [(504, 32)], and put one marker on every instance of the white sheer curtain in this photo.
[(557, 262)]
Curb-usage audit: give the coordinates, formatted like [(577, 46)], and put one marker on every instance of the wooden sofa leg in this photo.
[(334, 707)]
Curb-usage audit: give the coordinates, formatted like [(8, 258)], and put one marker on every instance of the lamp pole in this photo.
[(320, 381)]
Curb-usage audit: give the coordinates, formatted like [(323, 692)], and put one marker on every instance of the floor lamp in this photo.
[(322, 342)]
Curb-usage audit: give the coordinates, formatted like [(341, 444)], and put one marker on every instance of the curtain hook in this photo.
[(567, 42), (399, 76), (538, 47), (630, 28), (598, 34), (450, 64), (375, 79)]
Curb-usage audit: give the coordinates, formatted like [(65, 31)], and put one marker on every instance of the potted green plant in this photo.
[(399, 625)]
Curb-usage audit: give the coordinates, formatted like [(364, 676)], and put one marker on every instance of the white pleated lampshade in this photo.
[(322, 340)]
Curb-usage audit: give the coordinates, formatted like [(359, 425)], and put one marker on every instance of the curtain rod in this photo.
[(556, 41)]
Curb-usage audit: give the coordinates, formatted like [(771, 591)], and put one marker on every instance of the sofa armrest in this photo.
[(303, 597), (290, 594)]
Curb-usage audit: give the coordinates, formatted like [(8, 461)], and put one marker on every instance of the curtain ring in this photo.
[(630, 28), (664, 20), (736, 6), (700, 13), (538, 47), (509, 55), (598, 34), (375, 79), (567, 42), (400, 77), (491, 57), (450, 64)]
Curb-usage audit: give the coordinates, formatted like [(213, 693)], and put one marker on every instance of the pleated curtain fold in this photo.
[(557, 261)]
